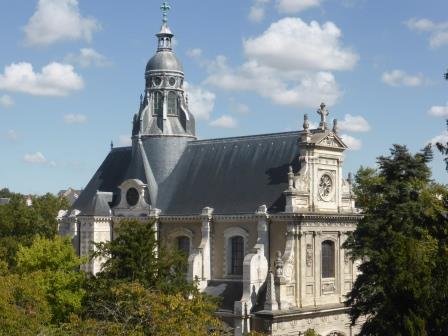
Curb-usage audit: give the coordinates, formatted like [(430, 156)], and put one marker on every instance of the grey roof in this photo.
[(99, 205), (165, 61), (231, 175), (107, 178)]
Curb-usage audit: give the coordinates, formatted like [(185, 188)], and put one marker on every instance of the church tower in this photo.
[(163, 125)]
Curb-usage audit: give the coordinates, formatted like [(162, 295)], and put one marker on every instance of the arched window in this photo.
[(158, 103), (183, 244), (172, 103), (236, 249), (328, 259)]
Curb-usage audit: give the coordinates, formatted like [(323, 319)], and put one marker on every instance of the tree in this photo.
[(134, 255), (23, 308), (402, 240), (137, 310), (54, 266), (311, 332), (19, 223)]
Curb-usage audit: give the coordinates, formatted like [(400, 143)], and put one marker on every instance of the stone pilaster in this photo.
[(263, 230)]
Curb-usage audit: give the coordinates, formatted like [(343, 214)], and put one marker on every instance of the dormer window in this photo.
[(132, 196)]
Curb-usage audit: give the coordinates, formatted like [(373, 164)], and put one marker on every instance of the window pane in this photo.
[(158, 103), (172, 103), (328, 259), (237, 255), (183, 244)]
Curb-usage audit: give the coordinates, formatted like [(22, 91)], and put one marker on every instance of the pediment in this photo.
[(332, 140)]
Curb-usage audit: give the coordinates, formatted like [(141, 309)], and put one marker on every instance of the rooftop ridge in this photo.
[(244, 137)]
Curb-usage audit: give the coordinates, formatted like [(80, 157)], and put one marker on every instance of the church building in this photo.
[(262, 218)]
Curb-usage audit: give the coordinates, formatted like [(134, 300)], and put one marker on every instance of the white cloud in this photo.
[(88, 57), (291, 44), (307, 89), (194, 53), (6, 101), (289, 63), (12, 135), (75, 119), (354, 124), (55, 79), (239, 107), (36, 158), (57, 21), (439, 111), (224, 121), (400, 78), (296, 6), (124, 140), (201, 102), (258, 10), (442, 138), (438, 32), (351, 142)]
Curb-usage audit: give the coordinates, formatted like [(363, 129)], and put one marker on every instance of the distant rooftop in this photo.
[(4, 200)]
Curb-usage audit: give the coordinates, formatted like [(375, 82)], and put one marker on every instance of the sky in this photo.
[(72, 71)]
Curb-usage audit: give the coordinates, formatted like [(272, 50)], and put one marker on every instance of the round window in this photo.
[(172, 81), (132, 196), (157, 81), (325, 187)]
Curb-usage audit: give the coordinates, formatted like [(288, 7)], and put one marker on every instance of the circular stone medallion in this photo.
[(325, 187)]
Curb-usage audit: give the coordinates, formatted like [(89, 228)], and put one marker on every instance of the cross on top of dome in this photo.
[(165, 8)]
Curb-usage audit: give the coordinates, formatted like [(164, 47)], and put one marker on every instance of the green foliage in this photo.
[(138, 310), (402, 240), (134, 255), (20, 223), (53, 265), (311, 332), (23, 308)]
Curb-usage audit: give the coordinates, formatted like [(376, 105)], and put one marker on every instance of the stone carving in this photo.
[(328, 288), (309, 255), (278, 264), (325, 187)]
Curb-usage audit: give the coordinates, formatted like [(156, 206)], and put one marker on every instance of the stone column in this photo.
[(317, 271), (154, 216), (206, 217)]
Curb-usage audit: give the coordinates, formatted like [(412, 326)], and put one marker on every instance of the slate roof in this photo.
[(107, 178), (231, 175)]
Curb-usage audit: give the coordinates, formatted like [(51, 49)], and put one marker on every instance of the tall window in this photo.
[(236, 255), (172, 103), (158, 103), (328, 259), (183, 244)]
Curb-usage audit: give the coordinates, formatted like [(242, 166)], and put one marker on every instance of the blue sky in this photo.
[(71, 73)]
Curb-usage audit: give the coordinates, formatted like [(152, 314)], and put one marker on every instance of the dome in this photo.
[(165, 61)]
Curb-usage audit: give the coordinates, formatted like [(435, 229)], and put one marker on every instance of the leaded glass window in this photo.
[(236, 255), (183, 244), (158, 103), (328, 259), (172, 103)]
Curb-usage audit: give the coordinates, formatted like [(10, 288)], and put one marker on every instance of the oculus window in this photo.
[(132, 196)]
